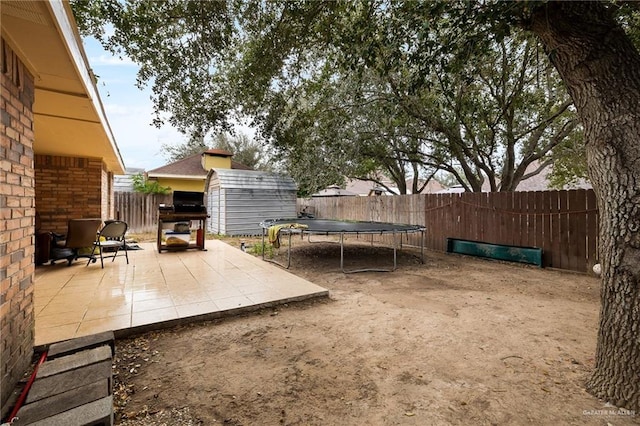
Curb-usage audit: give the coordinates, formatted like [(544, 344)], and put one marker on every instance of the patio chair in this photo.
[(111, 238), (81, 234)]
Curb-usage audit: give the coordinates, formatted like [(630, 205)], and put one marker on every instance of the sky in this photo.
[(129, 110)]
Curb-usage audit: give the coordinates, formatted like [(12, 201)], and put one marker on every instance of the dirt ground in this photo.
[(456, 340)]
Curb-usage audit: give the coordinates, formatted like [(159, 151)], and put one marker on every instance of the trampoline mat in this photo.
[(329, 226)]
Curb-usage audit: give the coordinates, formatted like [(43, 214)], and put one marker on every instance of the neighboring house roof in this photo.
[(68, 115), (366, 187), (360, 187), (334, 191), (452, 190), (191, 167), (539, 182), (432, 186)]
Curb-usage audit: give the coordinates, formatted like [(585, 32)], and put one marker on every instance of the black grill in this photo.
[(188, 202)]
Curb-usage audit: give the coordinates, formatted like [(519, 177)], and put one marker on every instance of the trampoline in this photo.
[(308, 226)]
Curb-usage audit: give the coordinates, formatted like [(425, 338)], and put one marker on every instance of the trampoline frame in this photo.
[(358, 228)]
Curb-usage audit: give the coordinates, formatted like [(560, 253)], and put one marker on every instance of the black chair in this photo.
[(111, 238), (81, 234)]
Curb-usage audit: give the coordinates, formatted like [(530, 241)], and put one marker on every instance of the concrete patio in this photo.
[(158, 290)]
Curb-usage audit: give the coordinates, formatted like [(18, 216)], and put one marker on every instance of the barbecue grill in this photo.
[(188, 206), (188, 202)]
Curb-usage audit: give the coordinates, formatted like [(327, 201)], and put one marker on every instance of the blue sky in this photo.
[(129, 110)]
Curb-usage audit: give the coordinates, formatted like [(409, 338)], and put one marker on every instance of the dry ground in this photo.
[(457, 340)]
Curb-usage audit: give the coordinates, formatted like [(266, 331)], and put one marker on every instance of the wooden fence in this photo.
[(564, 224), (140, 211)]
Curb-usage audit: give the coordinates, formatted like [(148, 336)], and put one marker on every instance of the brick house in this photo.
[(57, 158)]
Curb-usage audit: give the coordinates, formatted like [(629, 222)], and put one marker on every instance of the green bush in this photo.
[(259, 248), (141, 184)]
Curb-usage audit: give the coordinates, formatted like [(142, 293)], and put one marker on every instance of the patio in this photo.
[(156, 290)]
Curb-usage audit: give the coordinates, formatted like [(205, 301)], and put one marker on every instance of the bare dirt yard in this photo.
[(456, 340)]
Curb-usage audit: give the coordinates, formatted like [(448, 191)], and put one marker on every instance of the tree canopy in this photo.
[(376, 105)]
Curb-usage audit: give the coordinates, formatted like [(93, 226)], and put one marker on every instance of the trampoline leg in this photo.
[(353, 271), (289, 252), (275, 261)]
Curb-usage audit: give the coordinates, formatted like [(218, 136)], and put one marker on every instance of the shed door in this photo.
[(213, 208)]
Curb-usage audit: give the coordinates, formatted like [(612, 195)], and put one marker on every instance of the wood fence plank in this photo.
[(592, 230), (507, 220), (536, 220), (503, 228), (443, 220), (577, 231), (456, 218), (475, 212), (543, 232), (465, 225), (565, 246), (529, 220), (439, 225), (518, 217), (483, 216), (554, 225)]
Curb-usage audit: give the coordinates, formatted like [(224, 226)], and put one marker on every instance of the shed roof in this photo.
[(249, 179)]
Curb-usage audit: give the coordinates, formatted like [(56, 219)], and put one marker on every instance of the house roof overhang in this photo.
[(69, 118), (176, 176)]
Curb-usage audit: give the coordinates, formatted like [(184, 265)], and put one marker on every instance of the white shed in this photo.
[(238, 200)]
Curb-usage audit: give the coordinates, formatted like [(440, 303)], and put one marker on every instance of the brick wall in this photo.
[(107, 194), (69, 188), (17, 216)]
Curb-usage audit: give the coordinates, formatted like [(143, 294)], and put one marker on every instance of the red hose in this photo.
[(25, 391)]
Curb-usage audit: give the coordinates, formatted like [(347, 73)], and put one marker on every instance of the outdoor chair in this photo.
[(111, 238), (81, 234)]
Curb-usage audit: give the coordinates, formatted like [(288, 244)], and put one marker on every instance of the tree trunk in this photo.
[(601, 69)]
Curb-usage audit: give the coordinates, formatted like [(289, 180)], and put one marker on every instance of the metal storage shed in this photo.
[(238, 200)]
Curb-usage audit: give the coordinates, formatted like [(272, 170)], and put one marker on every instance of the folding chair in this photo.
[(111, 237)]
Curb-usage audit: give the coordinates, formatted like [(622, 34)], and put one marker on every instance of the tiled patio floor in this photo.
[(157, 288)]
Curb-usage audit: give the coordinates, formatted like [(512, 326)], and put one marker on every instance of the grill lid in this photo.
[(188, 198)]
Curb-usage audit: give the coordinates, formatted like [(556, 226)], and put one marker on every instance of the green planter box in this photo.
[(530, 255)]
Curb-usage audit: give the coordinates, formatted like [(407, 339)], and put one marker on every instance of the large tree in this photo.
[(601, 69), (585, 41)]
